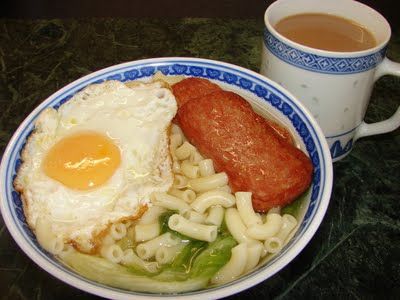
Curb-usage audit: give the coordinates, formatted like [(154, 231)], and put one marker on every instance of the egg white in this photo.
[(136, 118)]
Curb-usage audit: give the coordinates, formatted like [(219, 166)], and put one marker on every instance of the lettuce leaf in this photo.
[(191, 270)]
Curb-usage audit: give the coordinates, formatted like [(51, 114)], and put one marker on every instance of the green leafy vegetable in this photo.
[(191, 270), (295, 207)]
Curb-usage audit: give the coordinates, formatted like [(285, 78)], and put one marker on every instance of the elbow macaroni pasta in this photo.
[(193, 230), (170, 202), (210, 198), (236, 226), (189, 170), (148, 249), (186, 195), (215, 215), (268, 229), (145, 232), (208, 183), (245, 209), (235, 266)]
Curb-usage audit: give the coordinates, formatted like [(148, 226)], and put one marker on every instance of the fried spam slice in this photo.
[(192, 88), (224, 127)]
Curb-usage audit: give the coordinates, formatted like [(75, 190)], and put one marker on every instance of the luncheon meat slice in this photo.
[(223, 126), (192, 88)]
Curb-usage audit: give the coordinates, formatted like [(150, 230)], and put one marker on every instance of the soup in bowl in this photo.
[(172, 177)]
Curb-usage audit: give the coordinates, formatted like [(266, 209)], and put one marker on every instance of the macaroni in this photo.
[(186, 195), (208, 183), (194, 216), (215, 215), (273, 244), (268, 229), (148, 249), (184, 151), (170, 202), (117, 231), (131, 259), (236, 226), (189, 170), (112, 253), (235, 266), (206, 167), (151, 215), (193, 230), (254, 251), (145, 232), (210, 198), (288, 224), (245, 209)]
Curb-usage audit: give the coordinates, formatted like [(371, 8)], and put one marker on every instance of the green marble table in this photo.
[(356, 251)]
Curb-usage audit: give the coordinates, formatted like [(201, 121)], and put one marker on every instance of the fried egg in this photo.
[(97, 159)]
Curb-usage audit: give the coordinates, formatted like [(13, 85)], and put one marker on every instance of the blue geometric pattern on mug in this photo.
[(337, 150), (321, 64)]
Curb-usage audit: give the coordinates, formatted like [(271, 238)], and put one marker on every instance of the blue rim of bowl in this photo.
[(248, 80)]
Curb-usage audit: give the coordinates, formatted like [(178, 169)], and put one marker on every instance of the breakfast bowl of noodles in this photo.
[(166, 177)]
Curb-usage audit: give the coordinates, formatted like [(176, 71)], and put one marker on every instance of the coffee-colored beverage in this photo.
[(326, 32)]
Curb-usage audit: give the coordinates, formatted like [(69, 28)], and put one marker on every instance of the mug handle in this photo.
[(387, 67)]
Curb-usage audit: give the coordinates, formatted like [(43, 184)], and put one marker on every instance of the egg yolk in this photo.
[(83, 160)]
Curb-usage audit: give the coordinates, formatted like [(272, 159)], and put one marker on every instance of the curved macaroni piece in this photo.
[(148, 249), (176, 167), (206, 167), (184, 151), (118, 231), (180, 181), (194, 216), (254, 251), (189, 170), (170, 202), (245, 209), (236, 226), (274, 210), (193, 230), (288, 224), (46, 238), (195, 157), (271, 227), (175, 129), (151, 215), (145, 232), (175, 140), (165, 255), (210, 198), (208, 183), (186, 195), (234, 267), (273, 244), (131, 259), (112, 253), (215, 215), (224, 188)]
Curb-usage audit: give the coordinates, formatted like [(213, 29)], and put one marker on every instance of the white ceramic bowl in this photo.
[(267, 98)]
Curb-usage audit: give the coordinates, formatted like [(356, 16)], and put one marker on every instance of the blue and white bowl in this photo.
[(267, 98)]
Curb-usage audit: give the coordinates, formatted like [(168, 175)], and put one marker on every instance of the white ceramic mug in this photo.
[(334, 86)]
